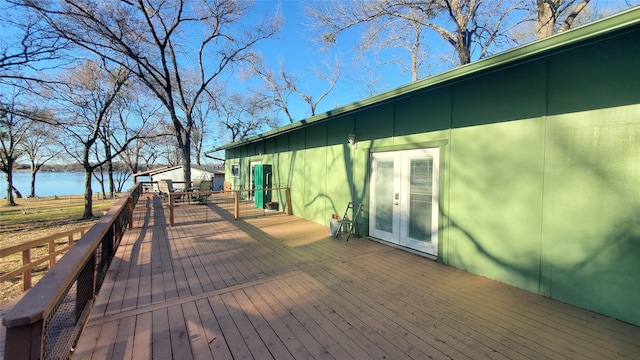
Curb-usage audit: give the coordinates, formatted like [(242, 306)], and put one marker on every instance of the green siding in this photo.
[(424, 112), (595, 76), (514, 93), (315, 194), (591, 227), (298, 182), (374, 123), (339, 180), (282, 143), (270, 146), (495, 201), (540, 166)]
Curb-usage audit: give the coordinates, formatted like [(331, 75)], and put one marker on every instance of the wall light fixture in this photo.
[(352, 141)]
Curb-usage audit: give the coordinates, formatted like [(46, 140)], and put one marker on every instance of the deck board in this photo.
[(280, 287), (142, 337), (161, 335)]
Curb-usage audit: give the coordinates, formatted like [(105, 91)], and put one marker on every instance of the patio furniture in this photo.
[(204, 191), (165, 187), (347, 223), (195, 185)]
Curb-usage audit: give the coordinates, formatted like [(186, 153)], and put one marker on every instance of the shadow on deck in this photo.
[(280, 287)]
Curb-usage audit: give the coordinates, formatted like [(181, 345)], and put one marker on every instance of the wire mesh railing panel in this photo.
[(262, 202), (197, 207), (66, 319), (189, 212)]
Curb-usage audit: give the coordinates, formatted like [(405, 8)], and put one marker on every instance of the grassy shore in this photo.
[(35, 218)]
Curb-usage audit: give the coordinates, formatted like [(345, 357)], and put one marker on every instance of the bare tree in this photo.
[(160, 42), (13, 130), (39, 147), (203, 112), (143, 151), (85, 107), (281, 85), (243, 116), (471, 27), (30, 48), (132, 105), (556, 15), (331, 76), (406, 36)]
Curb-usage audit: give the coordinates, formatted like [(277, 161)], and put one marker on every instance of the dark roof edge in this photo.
[(597, 28)]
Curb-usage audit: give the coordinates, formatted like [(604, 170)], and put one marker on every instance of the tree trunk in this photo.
[(32, 190), (112, 184), (18, 193), (8, 176), (101, 180), (185, 144), (34, 171), (545, 19), (88, 194)]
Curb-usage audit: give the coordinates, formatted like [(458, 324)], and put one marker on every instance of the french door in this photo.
[(252, 178), (404, 198)]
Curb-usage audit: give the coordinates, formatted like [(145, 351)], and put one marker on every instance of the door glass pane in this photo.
[(420, 199), (384, 195)]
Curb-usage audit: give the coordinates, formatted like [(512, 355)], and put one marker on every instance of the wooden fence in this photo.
[(28, 263)]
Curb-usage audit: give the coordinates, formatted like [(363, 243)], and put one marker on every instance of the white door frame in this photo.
[(398, 197)]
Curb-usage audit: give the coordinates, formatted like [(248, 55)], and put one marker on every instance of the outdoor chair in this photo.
[(348, 223), (204, 191), (195, 185), (193, 189), (165, 187)]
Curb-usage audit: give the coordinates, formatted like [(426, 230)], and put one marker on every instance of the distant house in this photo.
[(522, 167), (176, 175)]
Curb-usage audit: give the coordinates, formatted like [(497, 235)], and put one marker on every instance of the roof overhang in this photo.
[(149, 172)]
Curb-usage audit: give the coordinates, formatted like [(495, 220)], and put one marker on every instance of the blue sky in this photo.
[(295, 46)]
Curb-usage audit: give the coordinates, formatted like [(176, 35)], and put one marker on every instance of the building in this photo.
[(522, 167), (176, 175)]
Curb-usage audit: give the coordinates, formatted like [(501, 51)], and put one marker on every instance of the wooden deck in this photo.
[(279, 287)]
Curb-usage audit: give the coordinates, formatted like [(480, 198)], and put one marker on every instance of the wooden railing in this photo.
[(47, 321), (152, 186), (230, 200), (28, 264)]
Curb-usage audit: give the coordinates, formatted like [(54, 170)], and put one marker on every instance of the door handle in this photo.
[(397, 197)]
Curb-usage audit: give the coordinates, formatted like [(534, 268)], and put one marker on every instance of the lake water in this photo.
[(53, 183)]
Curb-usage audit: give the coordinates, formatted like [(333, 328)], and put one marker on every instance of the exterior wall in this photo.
[(540, 162), (176, 176)]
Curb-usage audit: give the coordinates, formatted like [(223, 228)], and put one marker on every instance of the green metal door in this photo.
[(258, 182)]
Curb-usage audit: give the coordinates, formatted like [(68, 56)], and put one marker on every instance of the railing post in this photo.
[(236, 205), (24, 342), (171, 209), (52, 249), (130, 212), (288, 200), (26, 275)]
